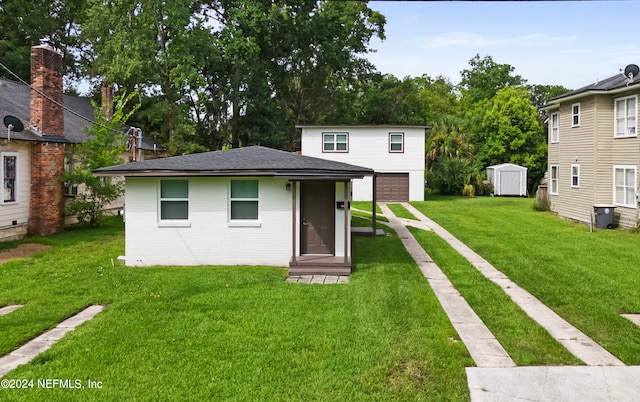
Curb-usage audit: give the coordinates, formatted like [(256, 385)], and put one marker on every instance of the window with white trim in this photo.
[(575, 115), (626, 110), (624, 182), (575, 176), (554, 180), (69, 189), (555, 128), (174, 200), (9, 177), (396, 142), (335, 142), (243, 200)]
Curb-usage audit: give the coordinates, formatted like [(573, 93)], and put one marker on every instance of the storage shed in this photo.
[(508, 179)]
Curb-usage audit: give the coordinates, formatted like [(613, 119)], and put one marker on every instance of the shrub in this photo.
[(449, 174), (542, 204), (469, 191)]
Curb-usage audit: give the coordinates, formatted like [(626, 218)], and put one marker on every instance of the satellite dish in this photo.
[(13, 123), (631, 70)]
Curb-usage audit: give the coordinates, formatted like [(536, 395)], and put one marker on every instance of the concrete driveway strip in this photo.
[(34, 347), (483, 347), (574, 340)]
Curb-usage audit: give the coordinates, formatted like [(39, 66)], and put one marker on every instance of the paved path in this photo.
[(483, 347), (31, 349), (574, 340), (9, 309)]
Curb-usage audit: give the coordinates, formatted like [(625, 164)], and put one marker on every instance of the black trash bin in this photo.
[(604, 216)]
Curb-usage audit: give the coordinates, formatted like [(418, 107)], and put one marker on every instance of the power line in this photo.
[(56, 102)]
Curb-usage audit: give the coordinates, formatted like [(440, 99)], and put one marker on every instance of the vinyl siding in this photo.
[(591, 145), (18, 211), (369, 147)]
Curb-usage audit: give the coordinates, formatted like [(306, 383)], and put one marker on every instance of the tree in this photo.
[(512, 133), (486, 77), (106, 142), (448, 138)]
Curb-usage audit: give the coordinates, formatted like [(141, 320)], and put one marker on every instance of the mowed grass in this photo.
[(401, 212), (525, 341), (587, 278), (230, 333)]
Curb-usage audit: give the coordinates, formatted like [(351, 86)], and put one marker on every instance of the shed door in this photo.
[(510, 183), (392, 187), (317, 217)]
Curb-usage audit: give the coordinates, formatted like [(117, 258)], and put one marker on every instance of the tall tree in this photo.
[(512, 133), (485, 78)]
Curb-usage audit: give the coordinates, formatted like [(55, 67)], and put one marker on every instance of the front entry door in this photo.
[(317, 217)]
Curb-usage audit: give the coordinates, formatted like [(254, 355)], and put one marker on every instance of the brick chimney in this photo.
[(47, 157)]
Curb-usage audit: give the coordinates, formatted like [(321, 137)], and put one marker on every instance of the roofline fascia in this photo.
[(556, 102), (362, 125), (206, 173)]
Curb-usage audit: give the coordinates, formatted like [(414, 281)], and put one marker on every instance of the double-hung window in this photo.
[(625, 185), (575, 176), (554, 180), (335, 142), (396, 142), (626, 110), (575, 115), (174, 200), (555, 128), (243, 202), (9, 177)]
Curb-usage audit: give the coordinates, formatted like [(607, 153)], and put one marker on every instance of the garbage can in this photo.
[(604, 216)]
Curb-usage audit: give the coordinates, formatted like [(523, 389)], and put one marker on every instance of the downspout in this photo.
[(345, 211), (373, 212)]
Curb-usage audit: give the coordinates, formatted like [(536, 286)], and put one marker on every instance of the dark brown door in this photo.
[(317, 213)]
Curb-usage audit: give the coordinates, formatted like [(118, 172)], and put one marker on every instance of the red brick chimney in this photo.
[(47, 157)]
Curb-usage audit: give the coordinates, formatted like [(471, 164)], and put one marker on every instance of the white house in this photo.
[(395, 152), (244, 206), (508, 179)]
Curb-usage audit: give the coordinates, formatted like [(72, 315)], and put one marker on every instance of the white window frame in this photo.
[(628, 131), (575, 115), (626, 186), (335, 142), (69, 189), (391, 143), (16, 179), (555, 128), (553, 180), (575, 174), (243, 222), (173, 222)]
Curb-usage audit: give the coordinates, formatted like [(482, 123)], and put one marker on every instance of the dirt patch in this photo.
[(22, 251)]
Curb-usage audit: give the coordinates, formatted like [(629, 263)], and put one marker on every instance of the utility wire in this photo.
[(58, 103)]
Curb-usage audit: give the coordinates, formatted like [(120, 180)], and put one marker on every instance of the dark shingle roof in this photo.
[(254, 160), (14, 101), (615, 82)]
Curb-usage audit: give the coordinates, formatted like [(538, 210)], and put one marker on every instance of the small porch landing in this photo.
[(319, 265)]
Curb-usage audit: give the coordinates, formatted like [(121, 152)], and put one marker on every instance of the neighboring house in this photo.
[(594, 151), (243, 206), (395, 152), (508, 179), (32, 161)]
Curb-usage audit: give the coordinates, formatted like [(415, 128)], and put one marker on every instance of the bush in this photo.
[(542, 204), (449, 175), (469, 191)]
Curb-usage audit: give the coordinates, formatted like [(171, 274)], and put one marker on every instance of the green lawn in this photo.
[(230, 333), (587, 278), (401, 212)]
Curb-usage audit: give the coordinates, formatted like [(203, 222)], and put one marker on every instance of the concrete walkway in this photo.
[(31, 349), (574, 340), (483, 347), (9, 309), (605, 378)]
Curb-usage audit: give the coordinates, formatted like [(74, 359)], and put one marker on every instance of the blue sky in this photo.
[(569, 43)]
